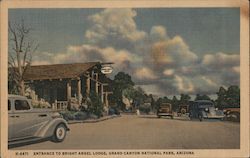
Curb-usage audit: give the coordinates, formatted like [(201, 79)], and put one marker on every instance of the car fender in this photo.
[(204, 114), (48, 129)]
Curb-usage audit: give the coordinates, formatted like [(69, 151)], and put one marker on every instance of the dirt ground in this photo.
[(148, 132)]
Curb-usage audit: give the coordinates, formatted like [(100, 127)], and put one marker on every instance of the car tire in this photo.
[(190, 117), (59, 133)]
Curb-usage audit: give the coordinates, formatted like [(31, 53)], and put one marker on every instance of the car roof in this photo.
[(203, 101), (16, 96), (162, 104)]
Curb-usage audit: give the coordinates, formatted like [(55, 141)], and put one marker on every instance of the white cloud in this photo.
[(159, 63), (168, 72), (183, 84), (145, 74), (113, 27), (180, 51), (88, 53), (158, 33), (236, 69), (172, 52), (153, 89), (209, 81), (221, 59)]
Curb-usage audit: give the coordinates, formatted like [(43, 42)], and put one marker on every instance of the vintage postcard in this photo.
[(124, 78)]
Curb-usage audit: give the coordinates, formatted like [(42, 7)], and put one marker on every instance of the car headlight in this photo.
[(206, 109)]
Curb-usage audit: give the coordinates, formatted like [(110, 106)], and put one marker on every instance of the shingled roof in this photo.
[(57, 71)]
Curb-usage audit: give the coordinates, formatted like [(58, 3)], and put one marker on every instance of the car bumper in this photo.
[(213, 117), (164, 114)]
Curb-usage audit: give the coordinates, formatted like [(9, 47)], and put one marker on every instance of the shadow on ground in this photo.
[(28, 143)]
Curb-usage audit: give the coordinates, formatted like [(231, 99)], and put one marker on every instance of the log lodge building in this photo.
[(65, 84)]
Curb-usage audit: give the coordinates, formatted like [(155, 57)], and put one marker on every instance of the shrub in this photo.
[(68, 115), (79, 115), (96, 106)]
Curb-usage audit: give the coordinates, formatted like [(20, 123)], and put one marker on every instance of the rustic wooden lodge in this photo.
[(64, 84)]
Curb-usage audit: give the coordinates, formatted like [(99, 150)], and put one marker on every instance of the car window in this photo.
[(21, 105), (9, 105)]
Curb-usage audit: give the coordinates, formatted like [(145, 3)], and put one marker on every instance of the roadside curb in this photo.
[(94, 120)]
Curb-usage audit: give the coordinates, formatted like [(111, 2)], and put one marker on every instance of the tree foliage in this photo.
[(175, 103), (96, 106), (162, 100), (121, 82), (202, 97), (229, 97), (184, 99)]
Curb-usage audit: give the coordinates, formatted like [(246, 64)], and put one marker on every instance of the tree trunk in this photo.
[(22, 88)]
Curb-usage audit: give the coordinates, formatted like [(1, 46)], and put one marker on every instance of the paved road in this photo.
[(147, 132)]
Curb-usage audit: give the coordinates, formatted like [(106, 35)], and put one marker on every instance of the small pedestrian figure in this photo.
[(138, 112)]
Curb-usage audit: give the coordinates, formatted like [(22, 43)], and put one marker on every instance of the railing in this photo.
[(60, 105)]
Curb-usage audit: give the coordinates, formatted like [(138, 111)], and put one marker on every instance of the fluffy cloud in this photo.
[(153, 89), (145, 74), (114, 27), (168, 72), (220, 59), (183, 84), (236, 69), (160, 64), (158, 33), (88, 53)]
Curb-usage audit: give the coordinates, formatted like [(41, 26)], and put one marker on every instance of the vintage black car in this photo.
[(204, 109)]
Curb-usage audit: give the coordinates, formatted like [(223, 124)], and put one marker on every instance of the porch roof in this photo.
[(57, 71)]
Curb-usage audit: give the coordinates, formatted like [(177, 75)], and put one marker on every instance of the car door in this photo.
[(11, 121), (23, 120)]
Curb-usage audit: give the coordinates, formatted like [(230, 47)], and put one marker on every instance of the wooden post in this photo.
[(102, 98), (55, 93), (106, 99), (69, 94), (88, 84), (79, 95), (68, 90), (96, 83)]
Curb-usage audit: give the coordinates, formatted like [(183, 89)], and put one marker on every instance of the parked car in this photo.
[(232, 113), (145, 107), (26, 124), (204, 109), (182, 110), (165, 109)]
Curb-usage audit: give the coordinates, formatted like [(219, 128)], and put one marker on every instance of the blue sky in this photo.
[(166, 50)]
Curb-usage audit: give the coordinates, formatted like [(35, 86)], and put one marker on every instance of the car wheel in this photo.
[(200, 117), (158, 116), (190, 116), (59, 133)]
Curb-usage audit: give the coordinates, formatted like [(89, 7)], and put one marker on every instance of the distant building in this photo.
[(63, 85)]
